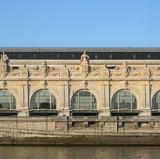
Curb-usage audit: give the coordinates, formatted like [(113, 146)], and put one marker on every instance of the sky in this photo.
[(79, 23)]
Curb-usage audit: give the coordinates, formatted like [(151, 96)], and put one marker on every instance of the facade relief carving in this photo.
[(134, 72), (155, 72), (99, 72), (78, 71), (3, 84), (45, 68), (126, 83), (85, 84), (24, 72), (35, 71), (65, 72), (95, 71), (75, 71), (116, 71), (54, 72), (146, 72), (125, 71), (105, 73), (14, 72)]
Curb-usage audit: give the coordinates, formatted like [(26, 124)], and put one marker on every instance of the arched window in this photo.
[(43, 100), (84, 100), (156, 101), (7, 100), (124, 100)]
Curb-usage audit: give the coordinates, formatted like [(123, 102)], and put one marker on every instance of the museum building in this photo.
[(80, 82)]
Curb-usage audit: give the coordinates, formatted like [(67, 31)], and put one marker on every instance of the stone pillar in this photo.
[(61, 100), (67, 99), (105, 100), (64, 106), (146, 100), (23, 109)]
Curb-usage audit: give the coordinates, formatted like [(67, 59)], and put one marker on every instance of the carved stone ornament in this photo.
[(84, 64), (45, 84), (105, 72), (5, 64), (45, 68), (146, 72), (126, 84), (4, 83), (85, 84), (126, 69)]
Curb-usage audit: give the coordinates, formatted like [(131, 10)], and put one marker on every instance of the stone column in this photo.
[(64, 101), (61, 100), (24, 107), (148, 100), (67, 99), (105, 100)]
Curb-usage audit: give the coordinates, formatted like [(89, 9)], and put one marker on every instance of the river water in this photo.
[(79, 152)]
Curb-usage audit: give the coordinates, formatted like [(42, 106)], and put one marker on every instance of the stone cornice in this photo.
[(77, 62)]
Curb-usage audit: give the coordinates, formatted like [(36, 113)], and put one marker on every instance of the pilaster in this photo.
[(146, 98), (104, 109), (23, 109), (64, 107)]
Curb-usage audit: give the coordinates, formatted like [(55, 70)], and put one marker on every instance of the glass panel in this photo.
[(124, 100), (84, 100), (7, 100), (43, 99), (156, 101)]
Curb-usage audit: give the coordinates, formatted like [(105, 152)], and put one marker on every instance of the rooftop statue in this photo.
[(84, 64), (5, 64), (84, 58)]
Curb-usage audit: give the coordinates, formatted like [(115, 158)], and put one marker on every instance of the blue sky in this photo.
[(80, 23)]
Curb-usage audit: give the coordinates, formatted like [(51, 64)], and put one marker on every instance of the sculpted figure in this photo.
[(24, 71), (84, 64), (5, 64), (45, 68), (146, 72), (126, 69)]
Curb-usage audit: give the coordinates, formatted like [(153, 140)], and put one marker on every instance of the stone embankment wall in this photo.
[(80, 130)]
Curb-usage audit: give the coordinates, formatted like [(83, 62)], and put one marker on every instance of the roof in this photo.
[(79, 49), (75, 53)]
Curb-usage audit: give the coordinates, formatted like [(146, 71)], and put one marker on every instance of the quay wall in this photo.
[(79, 131)]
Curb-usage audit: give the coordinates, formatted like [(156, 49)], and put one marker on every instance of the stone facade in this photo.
[(63, 78)]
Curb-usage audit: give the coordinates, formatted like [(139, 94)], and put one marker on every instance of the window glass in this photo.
[(7, 100), (156, 101), (84, 100), (124, 100), (43, 99)]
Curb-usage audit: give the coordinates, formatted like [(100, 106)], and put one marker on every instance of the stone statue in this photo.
[(146, 72), (45, 68), (24, 71), (84, 64), (126, 69), (5, 64)]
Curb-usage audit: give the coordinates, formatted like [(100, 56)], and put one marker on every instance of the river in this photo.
[(79, 152)]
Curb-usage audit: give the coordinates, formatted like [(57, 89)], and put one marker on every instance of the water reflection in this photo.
[(79, 152)]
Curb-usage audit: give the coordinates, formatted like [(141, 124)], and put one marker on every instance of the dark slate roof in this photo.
[(75, 53), (77, 49)]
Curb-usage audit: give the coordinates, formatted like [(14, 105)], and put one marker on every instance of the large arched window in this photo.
[(84, 100), (124, 100), (42, 100), (7, 100), (156, 101)]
